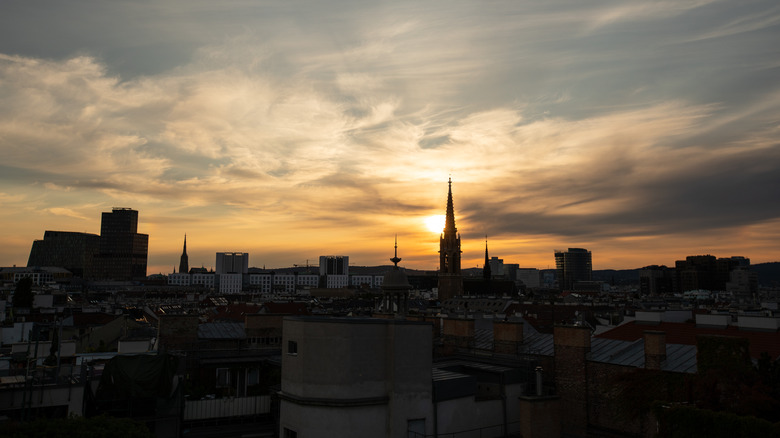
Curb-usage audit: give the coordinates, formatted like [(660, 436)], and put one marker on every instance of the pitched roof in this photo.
[(686, 333), (221, 330)]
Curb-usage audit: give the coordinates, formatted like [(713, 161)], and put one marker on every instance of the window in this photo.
[(223, 377), (415, 428), (292, 348)]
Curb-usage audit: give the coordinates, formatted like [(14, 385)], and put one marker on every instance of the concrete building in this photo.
[(334, 265), (231, 283), (204, 279), (336, 281), (351, 377), (530, 277), (179, 279), (232, 263)]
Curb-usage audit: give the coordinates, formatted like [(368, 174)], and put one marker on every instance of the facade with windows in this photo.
[(231, 283), (368, 280), (336, 281), (179, 279), (232, 263), (572, 266), (206, 280), (72, 251)]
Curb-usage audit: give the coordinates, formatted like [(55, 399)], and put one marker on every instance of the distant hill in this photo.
[(617, 277), (768, 273)]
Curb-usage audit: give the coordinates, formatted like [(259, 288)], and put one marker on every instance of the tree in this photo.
[(23, 295)]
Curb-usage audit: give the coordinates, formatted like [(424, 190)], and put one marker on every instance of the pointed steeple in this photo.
[(486, 272), (449, 223), (184, 264), (450, 279)]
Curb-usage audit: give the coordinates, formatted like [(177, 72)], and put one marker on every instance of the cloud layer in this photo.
[(289, 130)]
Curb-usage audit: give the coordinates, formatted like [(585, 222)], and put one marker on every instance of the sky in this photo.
[(642, 131)]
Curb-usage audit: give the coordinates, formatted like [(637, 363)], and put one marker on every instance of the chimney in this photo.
[(655, 349)]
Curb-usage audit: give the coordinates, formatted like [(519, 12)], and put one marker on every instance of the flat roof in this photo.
[(355, 320)]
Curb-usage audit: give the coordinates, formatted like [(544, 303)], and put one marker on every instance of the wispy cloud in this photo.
[(321, 128)]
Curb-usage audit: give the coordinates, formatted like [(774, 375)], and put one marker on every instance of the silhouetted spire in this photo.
[(395, 258), (486, 273), (184, 264), (449, 223), (450, 279)]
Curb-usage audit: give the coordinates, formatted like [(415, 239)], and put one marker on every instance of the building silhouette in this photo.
[(572, 266), (450, 277), (184, 262), (487, 271), (232, 263), (656, 280), (334, 265), (395, 288), (123, 251), (70, 250)]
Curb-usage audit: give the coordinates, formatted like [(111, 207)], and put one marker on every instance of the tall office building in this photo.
[(123, 251), (450, 277), (65, 249), (572, 266), (656, 280), (334, 271), (334, 265), (232, 263)]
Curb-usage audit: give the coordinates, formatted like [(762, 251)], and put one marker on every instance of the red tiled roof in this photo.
[(685, 333)]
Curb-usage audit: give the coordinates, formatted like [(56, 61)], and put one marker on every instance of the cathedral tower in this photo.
[(450, 278)]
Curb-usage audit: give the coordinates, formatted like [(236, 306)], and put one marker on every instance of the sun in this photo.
[(435, 223)]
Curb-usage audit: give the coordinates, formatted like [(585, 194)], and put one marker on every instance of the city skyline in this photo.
[(644, 133)]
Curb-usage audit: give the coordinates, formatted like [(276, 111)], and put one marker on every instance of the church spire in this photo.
[(184, 265), (449, 223), (450, 279), (486, 272)]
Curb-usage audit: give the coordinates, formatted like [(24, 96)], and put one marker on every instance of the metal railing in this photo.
[(223, 408)]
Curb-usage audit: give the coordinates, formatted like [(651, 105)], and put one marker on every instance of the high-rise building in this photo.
[(697, 272), (656, 280), (123, 251), (450, 277), (707, 272), (184, 261), (232, 263), (65, 249), (334, 265), (572, 266)]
